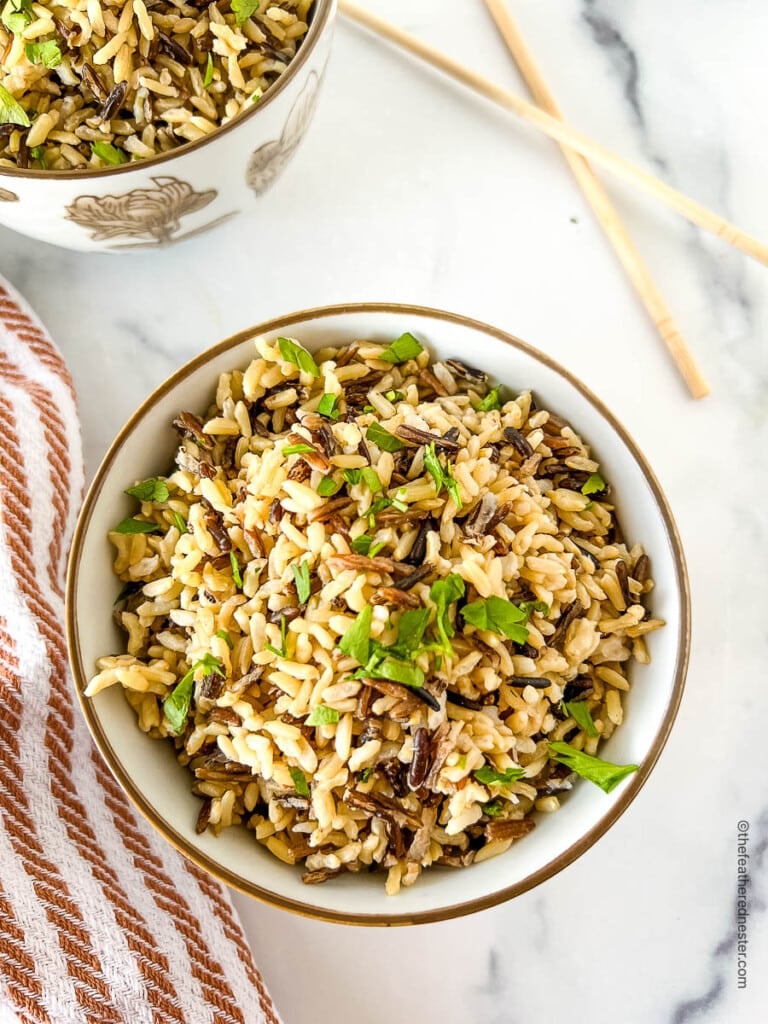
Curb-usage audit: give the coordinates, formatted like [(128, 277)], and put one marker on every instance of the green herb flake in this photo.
[(299, 781), (283, 652), (294, 353), (243, 9), (579, 712), (411, 629), (594, 484), (236, 575), (365, 774), (47, 53), (327, 406), (393, 669), (179, 522), (298, 449), (322, 715), (17, 14), (106, 152), (490, 402), (363, 545), (131, 525), (443, 593), (395, 396), (176, 705), (443, 476), (489, 776), (371, 479), (301, 579), (498, 616), (208, 76), (352, 476), (154, 489), (327, 487), (604, 774), (222, 634), (38, 155), (381, 437), (402, 349), (12, 112), (356, 641), (461, 764), (529, 607), (494, 808)]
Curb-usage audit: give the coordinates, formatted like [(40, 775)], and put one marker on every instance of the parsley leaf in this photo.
[(283, 652), (381, 437), (12, 112), (371, 479), (604, 774), (301, 578), (498, 616), (108, 153), (365, 774), (294, 353), (490, 402), (394, 396), (579, 712), (243, 9), (356, 641), (364, 545), (222, 634), (327, 406), (443, 477), (131, 525), (17, 14), (529, 607), (411, 628), (594, 485), (322, 715), (352, 476), (236, 575), (176, 704), (488, 776), (382, 666), (443, 593), (298, 449), (179, 523), (48, 53), (494, 808), (299, 781), (38, 154), (208, 76), (404, 348), (154, 489), (327, 487)]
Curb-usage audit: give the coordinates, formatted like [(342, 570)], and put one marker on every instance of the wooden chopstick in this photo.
[(604, 209), (564, 134)]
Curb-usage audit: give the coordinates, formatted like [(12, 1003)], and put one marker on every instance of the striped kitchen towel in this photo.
[(101, 921)]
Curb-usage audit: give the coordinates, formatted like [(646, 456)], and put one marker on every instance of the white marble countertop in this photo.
[(408, 189)]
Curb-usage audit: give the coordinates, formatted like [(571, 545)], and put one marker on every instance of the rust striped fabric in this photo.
[(101, 922)]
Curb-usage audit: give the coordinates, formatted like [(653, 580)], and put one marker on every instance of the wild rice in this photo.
[(91, 83), (493, 620)]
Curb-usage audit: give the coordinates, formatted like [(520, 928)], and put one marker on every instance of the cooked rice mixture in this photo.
[(93, 83), (383, 614)]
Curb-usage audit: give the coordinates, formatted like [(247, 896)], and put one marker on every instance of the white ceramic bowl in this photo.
[(176, 195), (147, 769)]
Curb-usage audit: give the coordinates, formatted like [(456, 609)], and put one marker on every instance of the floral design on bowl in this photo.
[(152, 215), (6, 196), (268, 161)]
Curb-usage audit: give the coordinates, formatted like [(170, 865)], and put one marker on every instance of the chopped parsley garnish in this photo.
[(365, 774), (301, 578), (294, 353), (283, 652), (443, 593), (38, 154), (243, 9), (12, 112), (179, 522), (594, 484), (298, 449), (494, 808), (402, 349), (353, 476), (499, 616), (364, 545), (108, 153), (490, 402), (176, 705), (579, 712), (17, 14), (604, 774), (208, 76), (299, 781), (529, 607), (381, 666), (131, 525), (442, 475), (327, 406), (394, 396), (236, 575), (322, 715), (411, 629), (371, 479), (488, 776), (381, 437), (154, 489), (222, 634), (48, 53), (356, 641), (327, 487)]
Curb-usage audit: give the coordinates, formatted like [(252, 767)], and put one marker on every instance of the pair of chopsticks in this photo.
[(577, 149)]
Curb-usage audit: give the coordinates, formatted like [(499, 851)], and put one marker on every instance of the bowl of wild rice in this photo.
[(128, 124), (378, 614)]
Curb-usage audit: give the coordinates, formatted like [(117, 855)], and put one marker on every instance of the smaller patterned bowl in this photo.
[(179, 194)]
